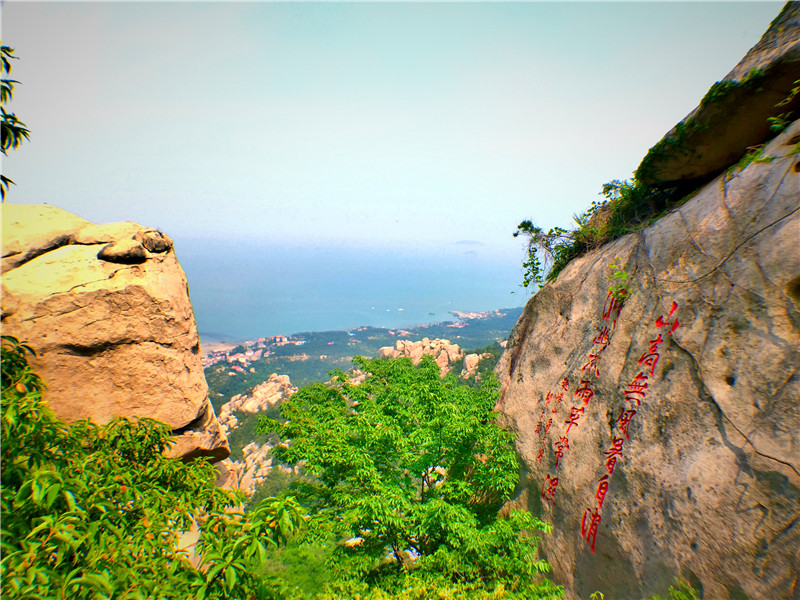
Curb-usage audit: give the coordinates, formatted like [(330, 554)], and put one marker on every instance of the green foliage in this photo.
[(557, 247), (722, 89), (619, 286), (408, 471), (14, 131), (683, 592), (275, 483), (754, 154), (793, 93), (94, 511), (675, 141), (627, 205), (779, 122)]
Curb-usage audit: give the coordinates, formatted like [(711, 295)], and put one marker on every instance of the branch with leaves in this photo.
[(14, 131)]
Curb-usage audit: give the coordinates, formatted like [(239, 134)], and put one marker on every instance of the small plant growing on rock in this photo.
[(754, 154), (619, 287), (627, 206)]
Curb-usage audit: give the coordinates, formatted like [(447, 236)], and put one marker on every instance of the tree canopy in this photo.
[(407, 471)]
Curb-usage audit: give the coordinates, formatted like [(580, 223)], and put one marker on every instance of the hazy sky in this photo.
[(380, 125)]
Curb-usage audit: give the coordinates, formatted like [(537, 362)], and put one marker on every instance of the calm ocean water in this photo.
[(245, 290)]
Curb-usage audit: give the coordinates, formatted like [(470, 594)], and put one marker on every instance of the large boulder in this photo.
[(114, 329), (662, 440), (734, 114)]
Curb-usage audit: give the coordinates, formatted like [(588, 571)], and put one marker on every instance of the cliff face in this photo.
[(662, 438), (107, 309)]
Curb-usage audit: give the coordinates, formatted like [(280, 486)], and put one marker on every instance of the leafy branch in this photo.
[(14, 131)]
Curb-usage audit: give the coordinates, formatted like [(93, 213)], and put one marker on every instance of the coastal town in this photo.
[(239, 357), (233, 367)]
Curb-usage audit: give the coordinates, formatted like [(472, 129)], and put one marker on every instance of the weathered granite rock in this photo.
[(707, 485), (204, 436), (33, 229), (112, 339), (124, 252), (443, 351), (471, 363), (249, 474), (733, 115), (153, 240)]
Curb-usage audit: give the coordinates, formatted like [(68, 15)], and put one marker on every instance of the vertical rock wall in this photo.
[(663, 440)]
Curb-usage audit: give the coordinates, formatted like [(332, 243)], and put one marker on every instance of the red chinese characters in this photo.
[(591, 364), (637, 389), (603, 337), (669, 322), (624, 421), (574, 415), (650, 358), (589, 526), (612, 453), (602, 489), (549, 489), (612, 308), (584, 391), (561, 445), (635, 393)]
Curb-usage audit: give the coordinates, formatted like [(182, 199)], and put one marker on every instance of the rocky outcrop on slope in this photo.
[(271, 392), (733, 115), (471, 363), (662, 439), (249, 474), (443, 351), (107, 309)]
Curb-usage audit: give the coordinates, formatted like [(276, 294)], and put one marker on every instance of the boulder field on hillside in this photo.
[(444, 353), (660, 430), (106, 307)]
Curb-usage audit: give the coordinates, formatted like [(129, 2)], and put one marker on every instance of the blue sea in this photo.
[(244, 290)]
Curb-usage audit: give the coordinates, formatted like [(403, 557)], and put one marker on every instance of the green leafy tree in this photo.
[(13, 130), (407, 473), (98, 511)]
